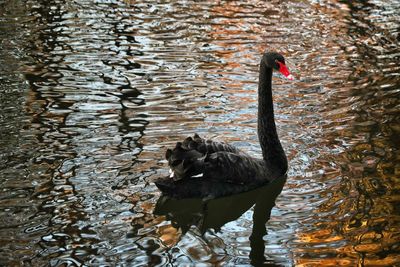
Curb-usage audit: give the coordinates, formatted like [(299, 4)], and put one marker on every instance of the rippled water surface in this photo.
[(93, 91)]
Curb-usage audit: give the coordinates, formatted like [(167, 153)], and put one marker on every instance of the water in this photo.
[(92, 93)]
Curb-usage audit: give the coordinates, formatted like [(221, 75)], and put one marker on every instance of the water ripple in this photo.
[(93, 91)]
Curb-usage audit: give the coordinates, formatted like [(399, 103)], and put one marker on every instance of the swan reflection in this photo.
[(215, 213)]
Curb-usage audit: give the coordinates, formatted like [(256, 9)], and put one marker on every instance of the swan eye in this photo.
[(277, 65)]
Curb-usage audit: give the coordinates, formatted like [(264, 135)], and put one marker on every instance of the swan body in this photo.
[(209, 169)]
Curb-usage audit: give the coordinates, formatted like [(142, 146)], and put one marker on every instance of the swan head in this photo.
[(277, 62)]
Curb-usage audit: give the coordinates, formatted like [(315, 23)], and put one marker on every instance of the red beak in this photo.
[(284, 70)]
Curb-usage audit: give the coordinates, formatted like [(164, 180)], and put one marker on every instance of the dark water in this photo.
[(93, 91)]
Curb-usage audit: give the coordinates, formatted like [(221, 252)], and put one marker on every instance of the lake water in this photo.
[(92, 92)]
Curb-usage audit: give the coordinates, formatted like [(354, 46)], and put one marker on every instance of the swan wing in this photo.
[(217, 174), (188, 158), (198, 158), (234, 168), (206, 146)]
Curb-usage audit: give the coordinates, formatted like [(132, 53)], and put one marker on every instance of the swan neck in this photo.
[(271, 147)]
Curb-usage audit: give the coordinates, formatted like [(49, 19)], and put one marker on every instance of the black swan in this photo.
[(207, 169)]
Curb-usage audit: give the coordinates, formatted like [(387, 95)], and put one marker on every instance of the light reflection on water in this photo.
[(93, 91)]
